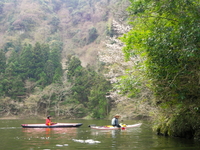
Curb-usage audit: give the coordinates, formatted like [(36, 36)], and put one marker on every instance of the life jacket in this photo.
[(114, 122), (48, 122)]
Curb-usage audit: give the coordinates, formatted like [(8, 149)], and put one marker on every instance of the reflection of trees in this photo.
[(106, 133), (114, 133), (46, 136)]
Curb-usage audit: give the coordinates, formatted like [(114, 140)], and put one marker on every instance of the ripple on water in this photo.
[(3, 128), (89, 141)]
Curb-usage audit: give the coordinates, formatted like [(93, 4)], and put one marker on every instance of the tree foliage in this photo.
[(92, 35), (166, 35), (2, 62), (38, 63), (89, 88)]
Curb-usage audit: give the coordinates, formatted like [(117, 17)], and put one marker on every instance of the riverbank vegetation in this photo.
[(166, 35)]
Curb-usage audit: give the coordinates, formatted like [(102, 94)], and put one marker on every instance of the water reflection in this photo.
[(120, 139), (47, 136), (115, 133), (49, 131), (13, 137)]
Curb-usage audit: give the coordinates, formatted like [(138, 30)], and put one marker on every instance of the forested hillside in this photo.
[(50, 57), (70, 24)]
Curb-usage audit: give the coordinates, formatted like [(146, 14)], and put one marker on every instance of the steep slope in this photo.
[(75, 25)]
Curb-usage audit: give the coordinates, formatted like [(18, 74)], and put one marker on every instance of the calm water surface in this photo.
[(14, 137)]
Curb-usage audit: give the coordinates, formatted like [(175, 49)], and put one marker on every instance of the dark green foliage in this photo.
[(25, 63), (166, 34), (54, 22), (39, 63), (11, 82), (81, 81), (98, 104), (92, 35), (43, 79), (73, 67), (185, 123), (88, 88), (15, 87), (49, 69), (7, 46), (1, 87), (2, 62), (57, 75)]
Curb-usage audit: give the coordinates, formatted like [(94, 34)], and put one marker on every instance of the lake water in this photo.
[(14, 137)]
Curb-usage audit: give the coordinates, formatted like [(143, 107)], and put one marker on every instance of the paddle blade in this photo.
[(91, 125), (123, 128)]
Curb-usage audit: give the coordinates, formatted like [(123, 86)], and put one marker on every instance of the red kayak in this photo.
[(56, 125), (109, 127)]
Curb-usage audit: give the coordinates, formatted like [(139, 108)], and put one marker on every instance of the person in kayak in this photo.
[(115, 121), (48, 121)]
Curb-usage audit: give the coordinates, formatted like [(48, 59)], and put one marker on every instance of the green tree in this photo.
[(25, 63), (16, 88), (58, 74), (37, 61), (53, 67), (43, 79), (13, 85), (2, 62), (166, 35), (49, 70), (81, 86), (74, 67), (92, 35), (45, 52), (98, 104), (54, 56), (89, 88)]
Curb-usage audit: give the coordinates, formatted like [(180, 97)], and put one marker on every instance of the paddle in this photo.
[(91, 125), (53, 123)]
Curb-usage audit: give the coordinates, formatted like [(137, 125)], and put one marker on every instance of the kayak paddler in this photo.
[(115, 121), (48, 121)]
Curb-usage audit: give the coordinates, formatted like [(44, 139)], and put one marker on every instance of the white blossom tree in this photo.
[(124, 75)]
